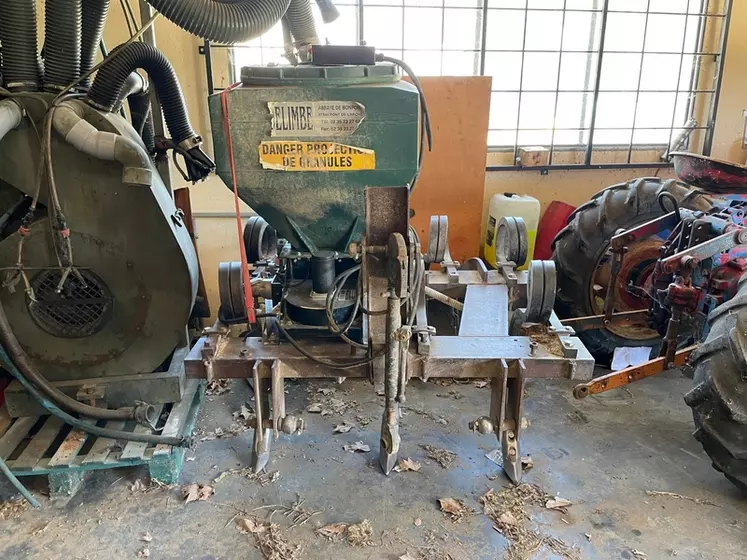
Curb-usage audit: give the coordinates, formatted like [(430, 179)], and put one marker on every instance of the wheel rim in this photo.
[(632, 285)]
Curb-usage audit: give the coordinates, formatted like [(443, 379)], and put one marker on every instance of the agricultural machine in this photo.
[(661, 263)]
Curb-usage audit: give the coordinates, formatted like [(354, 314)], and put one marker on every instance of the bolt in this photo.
[(510, 434), (244, 351), (532, 347), (512, 452)]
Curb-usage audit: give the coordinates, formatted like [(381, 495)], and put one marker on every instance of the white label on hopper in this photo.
[(315, 119)]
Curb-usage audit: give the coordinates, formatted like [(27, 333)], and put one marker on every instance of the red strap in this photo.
[(248, 297)]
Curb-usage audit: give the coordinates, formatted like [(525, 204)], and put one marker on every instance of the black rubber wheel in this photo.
[(260, 240), (719, 394), (583, 243)]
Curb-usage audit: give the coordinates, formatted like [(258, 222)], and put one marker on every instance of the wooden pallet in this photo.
[(43, 445)]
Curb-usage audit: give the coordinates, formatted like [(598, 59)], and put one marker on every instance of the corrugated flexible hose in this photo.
[(94, 19), (62, 43), (19, 40), (112, 76), (223, 22)]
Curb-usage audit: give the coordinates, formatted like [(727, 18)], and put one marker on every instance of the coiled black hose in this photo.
[(113, 75), (62, 43), (223, 22), (301, 22), (18, 37), (94, 18)]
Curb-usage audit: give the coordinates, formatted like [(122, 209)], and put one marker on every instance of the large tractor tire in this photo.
[(719, 394), (582, 258)]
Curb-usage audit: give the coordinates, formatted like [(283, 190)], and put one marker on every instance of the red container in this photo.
[(553, 220)]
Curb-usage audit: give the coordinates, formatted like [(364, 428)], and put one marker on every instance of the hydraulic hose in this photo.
[(22, 361), (223, 22), (94, 18), (54, 410), (62, 40), (19, 40)]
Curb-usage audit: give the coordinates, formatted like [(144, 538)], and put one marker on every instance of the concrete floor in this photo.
[(603, 454)]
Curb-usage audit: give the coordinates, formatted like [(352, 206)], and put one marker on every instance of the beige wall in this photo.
[(217, 236)]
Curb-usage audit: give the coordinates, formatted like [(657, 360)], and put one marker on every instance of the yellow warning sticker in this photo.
[(284, 155)]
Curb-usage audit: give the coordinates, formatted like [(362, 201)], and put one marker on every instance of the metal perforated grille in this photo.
[(80, 309)]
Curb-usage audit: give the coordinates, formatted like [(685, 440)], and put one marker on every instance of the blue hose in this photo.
[(17, 483)]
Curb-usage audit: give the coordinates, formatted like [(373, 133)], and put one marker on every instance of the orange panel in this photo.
[(452, 180)]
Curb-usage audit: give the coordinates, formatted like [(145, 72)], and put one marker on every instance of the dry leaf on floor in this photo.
[(481, 384), (196, 492), (244, 412), (527, 463), (363, 420), (314, 408), (361, 534), (558, 503), (147, 537), (406, 557), (333, 530), (408, 464), (588, 536), (358, 446), (443, 457), (250, 525), (326, 391), (343, 428), (454, 508), (418, 522), (638, 553), (218, 387), (144, 553), (13, 508), (138, 486), (269, 539)]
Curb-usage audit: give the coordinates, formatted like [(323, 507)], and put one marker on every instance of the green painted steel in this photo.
[(318, 209)]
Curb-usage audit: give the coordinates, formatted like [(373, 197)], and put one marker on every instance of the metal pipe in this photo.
[(443, 298), (17, 484)]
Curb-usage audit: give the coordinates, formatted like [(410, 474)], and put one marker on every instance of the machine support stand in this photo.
[(392, 388), (262, 434), (505, 410)]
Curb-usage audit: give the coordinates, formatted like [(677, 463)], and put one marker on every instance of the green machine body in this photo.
[(307, 142)]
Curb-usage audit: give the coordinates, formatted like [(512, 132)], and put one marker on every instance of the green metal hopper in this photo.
[(308, 140)]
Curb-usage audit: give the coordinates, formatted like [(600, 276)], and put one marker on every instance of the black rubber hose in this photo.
[(19, 40), (94, 18), (113, 75), (62, 43), (179, 441), (142, 118), (223, 22), (29, 371), (301, 22)]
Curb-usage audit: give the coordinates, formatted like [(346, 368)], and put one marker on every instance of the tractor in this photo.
[(663, 264)]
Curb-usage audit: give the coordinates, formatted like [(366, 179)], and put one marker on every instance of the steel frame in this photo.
[(484, 348)]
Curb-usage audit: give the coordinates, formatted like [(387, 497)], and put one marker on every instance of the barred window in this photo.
[(592, 82)]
